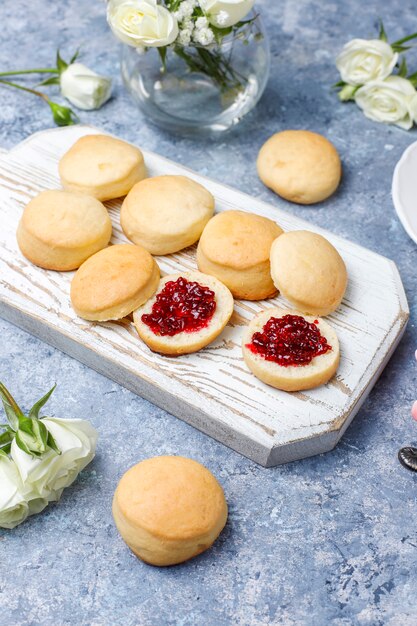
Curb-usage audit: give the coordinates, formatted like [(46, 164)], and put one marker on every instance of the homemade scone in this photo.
[(235, 248), (101, 166), (165, 214), (308, 271), (168, 509), (187, 312), (114, 282), (290, 351), (59, 230), (300, 166)]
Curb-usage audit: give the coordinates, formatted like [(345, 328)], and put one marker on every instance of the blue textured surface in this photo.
[(328, 540)]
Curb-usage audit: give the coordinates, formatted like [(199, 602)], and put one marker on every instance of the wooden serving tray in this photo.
[(213, 390)]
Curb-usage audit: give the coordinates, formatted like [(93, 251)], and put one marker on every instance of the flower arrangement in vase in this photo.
[(192, 65)]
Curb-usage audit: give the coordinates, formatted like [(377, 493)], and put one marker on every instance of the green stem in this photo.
[(35, 71), (36, 93), (212, 64)]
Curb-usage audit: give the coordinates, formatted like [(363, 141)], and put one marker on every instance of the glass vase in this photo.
[(200, 90)]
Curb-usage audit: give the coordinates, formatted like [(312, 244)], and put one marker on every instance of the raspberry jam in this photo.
[(181, 306), (289, 340)]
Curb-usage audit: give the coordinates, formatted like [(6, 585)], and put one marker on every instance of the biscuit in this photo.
[(308, 271), (235, 247), (168, 509), (114, 282), (165, 214), (165, 330), (300, 166), (60, 230), (318, 371), (101, 166)]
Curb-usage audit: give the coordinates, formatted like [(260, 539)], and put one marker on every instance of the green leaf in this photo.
[(52, 443), (41, 433), (5, 450), (34, 411), (340, 83), (26, 425), (21, 442), (75, 56), (397, 48), (60, 63), (402, 68), (382, 33), (50, 81), (6, 437), (29, 443), (399, 42), (12, 409)]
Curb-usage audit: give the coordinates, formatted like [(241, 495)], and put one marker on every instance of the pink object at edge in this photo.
[(414, 410)]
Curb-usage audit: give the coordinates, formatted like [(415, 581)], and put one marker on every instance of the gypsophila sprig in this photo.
[(39, 457), (376, 77), (82, 87), (191, 29)]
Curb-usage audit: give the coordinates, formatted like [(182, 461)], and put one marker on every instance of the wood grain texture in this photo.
[(212, 389)]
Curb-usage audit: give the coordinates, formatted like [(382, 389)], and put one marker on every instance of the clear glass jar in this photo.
[(200, 90)]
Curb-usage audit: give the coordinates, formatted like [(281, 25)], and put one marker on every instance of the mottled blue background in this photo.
[(328, 540)]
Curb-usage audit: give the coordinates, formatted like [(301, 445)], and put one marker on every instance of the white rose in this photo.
[(363, 60), (14, 508), (225, 13), (142, 23), (49, 474), (84, 88), (393, 101)]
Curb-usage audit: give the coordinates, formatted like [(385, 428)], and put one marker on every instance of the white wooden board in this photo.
[(212, 389)]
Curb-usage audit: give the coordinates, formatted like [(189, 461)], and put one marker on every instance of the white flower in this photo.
[(393, 100), (230, 11), (363, 60), (184, 37), (49, 474), (222, 18), (84, 88), (185, 9), (142, 22), (201, 22), (14, 508), (204, 36)]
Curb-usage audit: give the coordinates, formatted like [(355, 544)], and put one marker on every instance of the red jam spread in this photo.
[(181, 306), (289, 340)]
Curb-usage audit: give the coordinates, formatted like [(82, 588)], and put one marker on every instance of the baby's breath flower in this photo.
[(184, 37), (185, 9), (222, 18), (204, 36), (201, 22)]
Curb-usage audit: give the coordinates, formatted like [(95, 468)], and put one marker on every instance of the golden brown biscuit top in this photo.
[(111, 276), (61, 218), (97, 159), (168, 204), (238, 239), (299, 149), (309, 267), (300, 165), (171, 497)]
